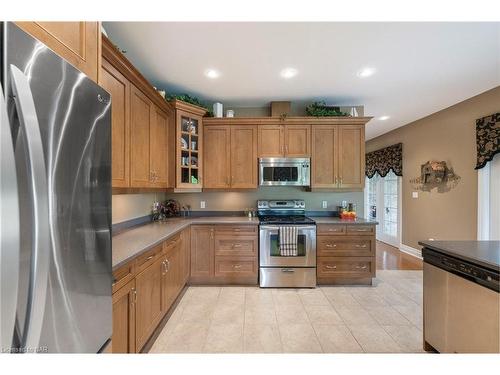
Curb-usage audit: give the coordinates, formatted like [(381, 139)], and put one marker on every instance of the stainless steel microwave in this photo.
[(284, 171)]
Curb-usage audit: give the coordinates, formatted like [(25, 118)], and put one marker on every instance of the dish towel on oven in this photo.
[(288, 241)]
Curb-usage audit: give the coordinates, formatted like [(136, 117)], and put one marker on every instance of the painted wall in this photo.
[(447, 135), (129, 206)]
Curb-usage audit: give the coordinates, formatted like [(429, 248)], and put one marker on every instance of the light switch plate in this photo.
[(202, 204), (414, 194), (324, 204)]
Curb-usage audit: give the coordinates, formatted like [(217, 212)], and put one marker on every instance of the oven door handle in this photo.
[(276, 227)]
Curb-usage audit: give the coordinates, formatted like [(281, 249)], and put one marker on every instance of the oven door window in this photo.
[(271, 174), (275, 246)]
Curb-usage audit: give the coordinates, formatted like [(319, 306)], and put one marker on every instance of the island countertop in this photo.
[(482, 253), (131, 243)]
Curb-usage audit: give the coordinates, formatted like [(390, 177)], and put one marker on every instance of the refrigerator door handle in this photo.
[(28, 120), (9, 231)]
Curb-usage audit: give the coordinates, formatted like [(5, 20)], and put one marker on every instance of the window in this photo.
[(382, 203), (489, 201)]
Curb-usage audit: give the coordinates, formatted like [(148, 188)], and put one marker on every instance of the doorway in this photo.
[(383, 203)]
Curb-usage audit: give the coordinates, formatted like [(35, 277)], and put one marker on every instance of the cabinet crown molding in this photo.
[(302, 120)]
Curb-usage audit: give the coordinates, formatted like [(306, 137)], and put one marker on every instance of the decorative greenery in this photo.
[(187, 98), (191, 100), (320, 109)]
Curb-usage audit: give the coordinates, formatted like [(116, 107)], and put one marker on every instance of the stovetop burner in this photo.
[(283, 212), (285, 219)]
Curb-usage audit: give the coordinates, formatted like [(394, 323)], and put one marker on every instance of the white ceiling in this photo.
[(421, 68)]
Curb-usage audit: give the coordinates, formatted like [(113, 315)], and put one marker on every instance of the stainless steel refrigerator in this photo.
[(55, 207)]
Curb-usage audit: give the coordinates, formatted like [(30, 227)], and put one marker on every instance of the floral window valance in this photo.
[(487, 139), (385, 159)]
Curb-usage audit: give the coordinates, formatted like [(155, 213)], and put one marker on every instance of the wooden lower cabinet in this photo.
[(345, 254), (124, 319), (145, 289), (148, 307), (202, 253), (186, 255), (224, 254)]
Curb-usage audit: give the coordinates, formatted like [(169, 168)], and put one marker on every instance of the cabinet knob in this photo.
[(331, 267), (361, 246), (237, 266), (331, 245)]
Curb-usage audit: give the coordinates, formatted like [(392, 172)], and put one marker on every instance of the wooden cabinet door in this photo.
[(351, 151), (140, 120), (324, 157), (77, 42), (170, 270), (186, 255), (148, 306), (271, 141), (202, 252), (216, 157), (298, 141), (159, 147), (244, 157), (119, 88), (124, 319)]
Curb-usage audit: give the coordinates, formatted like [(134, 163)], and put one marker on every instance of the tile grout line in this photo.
[(345, 323), (309, 320)]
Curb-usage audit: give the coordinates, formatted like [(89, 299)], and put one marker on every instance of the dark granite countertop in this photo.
[(482, 253)]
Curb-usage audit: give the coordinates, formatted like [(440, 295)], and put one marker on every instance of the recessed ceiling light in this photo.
[(212, 73), (366, 72), (288, 73), (383, 118)]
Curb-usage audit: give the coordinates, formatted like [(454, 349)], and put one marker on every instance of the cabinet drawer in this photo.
[(172, 243), (148, 258), (235, 267), (227, 244), (330, 229), (345, 246), (123, 275), (360, 229), (236, 229), (346, 267)]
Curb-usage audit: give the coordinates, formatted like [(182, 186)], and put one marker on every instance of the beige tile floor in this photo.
[(384, 318)]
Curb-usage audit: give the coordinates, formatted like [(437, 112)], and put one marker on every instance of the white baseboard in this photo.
[(417, 253)]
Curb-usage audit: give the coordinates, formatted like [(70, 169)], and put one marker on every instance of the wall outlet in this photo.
[(324, 204), (414, 194), (202, 204)]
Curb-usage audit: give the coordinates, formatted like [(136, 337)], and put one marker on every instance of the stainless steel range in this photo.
[(280, 267)]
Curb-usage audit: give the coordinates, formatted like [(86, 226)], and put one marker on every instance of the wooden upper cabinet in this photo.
[(202, 252), (140, 125), (271, 141), (351, 151), (77, 42), (159, 158), (284, 141), (119, 88), (124, 319), (244, 157), (298, 141), (324, 156), (216, 157)]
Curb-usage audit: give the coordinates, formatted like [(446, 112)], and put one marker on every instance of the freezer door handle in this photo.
[(28, 120), (9, 231)]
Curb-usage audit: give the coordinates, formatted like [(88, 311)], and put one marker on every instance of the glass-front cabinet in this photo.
[(189, 133)]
